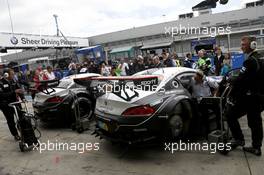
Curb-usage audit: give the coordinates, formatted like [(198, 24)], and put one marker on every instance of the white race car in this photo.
[(151, 103)]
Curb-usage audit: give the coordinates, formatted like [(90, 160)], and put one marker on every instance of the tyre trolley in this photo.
[(26, 124), (222, 135)]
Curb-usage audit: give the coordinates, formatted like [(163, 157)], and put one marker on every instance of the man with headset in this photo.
[(247, 94), (9, 92)]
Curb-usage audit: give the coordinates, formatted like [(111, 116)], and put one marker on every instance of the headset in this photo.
[(6, 73), (253, 42), (253, 45)]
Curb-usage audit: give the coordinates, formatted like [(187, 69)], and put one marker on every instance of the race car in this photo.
[(58, 104), (154, 103)]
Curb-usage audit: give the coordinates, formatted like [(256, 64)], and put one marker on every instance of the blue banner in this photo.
[(210, 41), (237, 60)]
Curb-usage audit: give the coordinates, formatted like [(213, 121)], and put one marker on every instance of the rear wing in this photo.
[(47, 86), (138, 80)]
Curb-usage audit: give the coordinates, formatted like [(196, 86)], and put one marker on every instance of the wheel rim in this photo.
[(85, 108), (176, 126)]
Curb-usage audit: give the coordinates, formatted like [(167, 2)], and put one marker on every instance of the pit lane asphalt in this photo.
[(119, 160)]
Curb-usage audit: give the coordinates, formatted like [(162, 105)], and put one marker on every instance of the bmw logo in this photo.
[(14, 40)]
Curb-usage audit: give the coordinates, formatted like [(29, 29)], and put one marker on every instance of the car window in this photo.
[(185, 79), (148, 72), (76, 86), (172, 84), (72, 86), (64, 84)]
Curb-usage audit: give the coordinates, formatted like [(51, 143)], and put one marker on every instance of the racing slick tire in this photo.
[(86, 111), (179, 121)]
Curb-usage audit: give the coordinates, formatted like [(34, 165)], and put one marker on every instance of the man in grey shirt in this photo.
[(201, 86)]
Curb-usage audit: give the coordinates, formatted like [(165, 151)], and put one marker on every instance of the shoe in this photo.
[(234, 143), (256, 151), (17, 138)]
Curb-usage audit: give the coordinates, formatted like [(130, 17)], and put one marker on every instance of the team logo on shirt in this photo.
[(243, 69)]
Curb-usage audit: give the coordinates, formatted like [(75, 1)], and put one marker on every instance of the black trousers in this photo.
[(252, 107), (9, 115), (203, 111)]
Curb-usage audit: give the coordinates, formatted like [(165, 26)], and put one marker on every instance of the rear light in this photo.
[(145, 110), (54, 100)]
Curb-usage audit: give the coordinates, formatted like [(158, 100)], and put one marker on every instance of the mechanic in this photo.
[(200, 88), (9, 91), (247, 98)]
